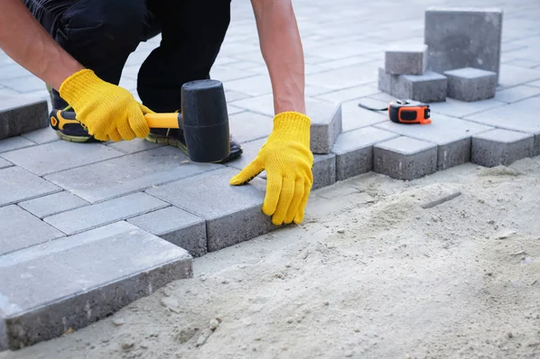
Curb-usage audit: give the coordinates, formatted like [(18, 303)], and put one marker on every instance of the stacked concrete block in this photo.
[(409, 60), (326, 125), (405, 158), (463, 37), (429, 87), (69, 283), (22, 114), (470, 84), (501, 147)]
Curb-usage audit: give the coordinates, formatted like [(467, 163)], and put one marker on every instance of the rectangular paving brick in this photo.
[(247, 126), (354, 151), (176, 226), (517, 93), (344, 77), (514, 75), (14, 143), (349, 94), (133, 146), (119, 176), (59, 156), (463, 37), (72, 282), (233, 214), (455, 108), (17, 184), (451, 135), (20, 230), (22, 114), (407, 59), (405, 158), (324, 171), (470, 84), (501, 147), (24, 84), (4, 163), (52, 204), (354, 116), (101, 214), (41, 136), (326, 125), (429, 87)]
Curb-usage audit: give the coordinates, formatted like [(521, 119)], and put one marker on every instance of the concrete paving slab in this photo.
[(133, 146), (4, 163), (52, 204), (21, 230), (101, 214), (471, 84), (326, 125), (456, 108), (355, 117), (24, 84), (246, 126), (348, 76), (22, 114), (517, 93), (257, 85), (429, 87), (514, 75), (324, 171), (136, 172), (18, 184), (501, 147), (409, 59), (14, 143), (41, 136), (352, 93), (72, 282)]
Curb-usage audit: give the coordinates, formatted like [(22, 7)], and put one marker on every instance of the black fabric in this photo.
[(101, 34)]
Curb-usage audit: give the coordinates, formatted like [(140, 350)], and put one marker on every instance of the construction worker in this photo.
[(79, 48)]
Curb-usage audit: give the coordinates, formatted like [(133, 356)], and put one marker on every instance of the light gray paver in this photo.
[(405, 158), (248, 126), (73, 282), (514, 75), (354, 151), (41, 136), (233, 213), (20, 230), (176, 226), (59, 156), (101, 214), (324, 171), (4, 163), (517, 93), (119, 176), (326, 125), (22, 114), (461, 109), (133, 146), (406, 60), (429, 87), (501, 147), (14, 143), (470, 84), (53, 204), (354, 116), (17, 184)]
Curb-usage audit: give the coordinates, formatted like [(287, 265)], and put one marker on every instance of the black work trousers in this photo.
[(101, 34)]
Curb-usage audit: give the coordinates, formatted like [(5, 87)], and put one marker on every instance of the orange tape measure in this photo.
[(406, 112)]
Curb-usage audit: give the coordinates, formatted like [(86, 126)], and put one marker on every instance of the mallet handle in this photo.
[(163, 120)]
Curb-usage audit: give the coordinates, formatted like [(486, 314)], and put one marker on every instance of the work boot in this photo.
[(175, 137)]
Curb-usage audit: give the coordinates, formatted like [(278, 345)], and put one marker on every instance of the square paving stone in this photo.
[(22, 114), (14, 143), (471, 84), (324, 171), (407, 59), (4, 163), (517, 93), (53, 204), (133, 146), (119, 176), (248, 126), (429, 87), (176, 226), (17, 184), (72, 282), (514, 75), (326, 125), (501, 147), (41, 136), (344, 77), (59, 156), (233, 214), (354, 116), (456, 108), (20, 230), (101, 214)]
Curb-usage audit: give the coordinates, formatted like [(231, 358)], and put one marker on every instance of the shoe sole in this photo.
[(77, 139)]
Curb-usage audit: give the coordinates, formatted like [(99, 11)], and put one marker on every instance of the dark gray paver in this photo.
[(96, 215), (248, 126), (4, 163), (17, 184), (354, 151), (463, 37), (176, 226), (251, 149), (451, 135), (326, 125), (43, 135), (429, 87), (53, 204), (501, 147), (14, 143), (470, 84), (405, 158), (119, 176), (233, 213), (59, 156), (324, 171), (354, 116), (406, 60), (20, 230), (22, 114), (75, 281)]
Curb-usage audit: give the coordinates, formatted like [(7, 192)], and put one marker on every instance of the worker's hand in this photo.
[(288, 162), (109, 112)]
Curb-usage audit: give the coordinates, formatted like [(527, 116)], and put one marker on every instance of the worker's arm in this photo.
[(24, 40), (282, 51)]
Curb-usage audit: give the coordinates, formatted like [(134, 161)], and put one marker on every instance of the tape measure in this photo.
[(406, 112)]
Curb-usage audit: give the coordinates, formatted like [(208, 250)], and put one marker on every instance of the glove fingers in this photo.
[(297, 199), (248, 173), (115, 136), (145, 109), (125, 131), (285, 198), (299, 217), (138, 123), (273, 190)]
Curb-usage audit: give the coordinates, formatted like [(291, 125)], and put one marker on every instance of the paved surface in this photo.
[(51, 189)]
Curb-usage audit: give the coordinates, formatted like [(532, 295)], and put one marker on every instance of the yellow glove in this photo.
[(288, 162), (109, 112)]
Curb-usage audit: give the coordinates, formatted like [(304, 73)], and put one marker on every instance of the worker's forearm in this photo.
[(282, 51), (24, 40)]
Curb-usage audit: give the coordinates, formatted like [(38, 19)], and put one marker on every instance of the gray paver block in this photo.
[(463, 37), (14, 143), (326, 125), (470, 84), (20, 230), (429, 87), (4, 163), (53, 204), (120, 176), (517, 93), (247, 126), (17, 184), (324, 171), (405, 158), (75, 281), (59, 156), (41, 136), (233, 214), (354, 151), (133, 146), (501, 147), (354, 116), (22, 114), (176, 226), (101, 214), (406, 60)]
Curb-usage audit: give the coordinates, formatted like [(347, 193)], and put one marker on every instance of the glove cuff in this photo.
[(293, 123), (77, 86)]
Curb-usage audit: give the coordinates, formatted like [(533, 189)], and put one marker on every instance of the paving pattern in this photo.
[(87, 228)]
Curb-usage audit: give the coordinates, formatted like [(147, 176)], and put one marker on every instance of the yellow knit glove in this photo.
[(288, 162), (109, 112)]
